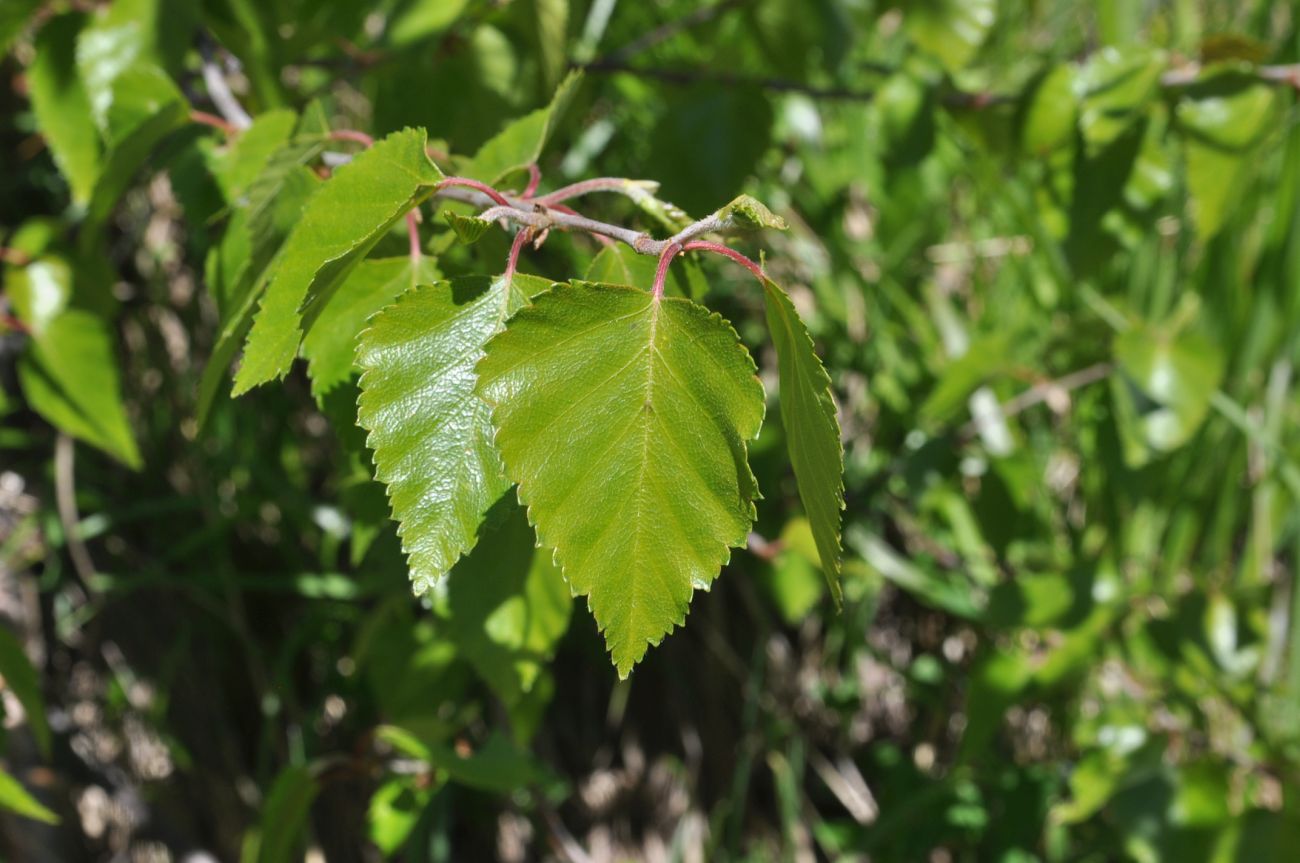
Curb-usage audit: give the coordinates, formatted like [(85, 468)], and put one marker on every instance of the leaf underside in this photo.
[(624, 419), (812, 429)]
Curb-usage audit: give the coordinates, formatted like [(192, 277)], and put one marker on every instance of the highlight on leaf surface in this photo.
[(430, 433), (625, 420)]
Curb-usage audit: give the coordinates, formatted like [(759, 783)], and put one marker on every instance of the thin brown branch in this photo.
[(203, 118), (65, 498)]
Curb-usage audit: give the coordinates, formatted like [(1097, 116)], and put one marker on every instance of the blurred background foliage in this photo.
[(1051, 255)]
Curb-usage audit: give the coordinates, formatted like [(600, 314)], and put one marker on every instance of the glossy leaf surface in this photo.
[(430, 433)]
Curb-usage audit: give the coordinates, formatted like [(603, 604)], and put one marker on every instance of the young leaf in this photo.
[(951, 30), (749, 213), (431, 435), (62, 107), (331, 345), (812, 430), (624, 418), (520, 143), (468, 228), (338, 226)]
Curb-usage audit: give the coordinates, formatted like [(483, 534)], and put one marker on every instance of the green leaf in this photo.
[(1224, 117), (812, 430), (338, 226), (394, 810), (624, 419), (244, 159), (507, 604), (277, 199), (520, 143), (14, 15), (498, 766), (1115, 87), (62, 107), (1051, 112), (422, 19), (39, 292), (950, 30), (284, 815), (145, 107), (20, 677), (794, 580), (468, 228), (619, 265), (749, 213), (69, 377), (330, 347), (1163, 392), (550, 26), (16, 798), (431, 435)]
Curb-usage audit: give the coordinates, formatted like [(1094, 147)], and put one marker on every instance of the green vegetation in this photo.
[(407, 452)]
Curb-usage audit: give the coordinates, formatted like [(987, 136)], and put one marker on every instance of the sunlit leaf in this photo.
[(624, 419), (338, 226), (431, 435), (331, 345)]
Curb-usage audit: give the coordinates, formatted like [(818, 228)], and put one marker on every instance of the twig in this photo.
[(521, 237), (206, 119), (1047, 391), (599, 184), (17, 257), (661, 271), (219, 92), (534, 180), (561, 838), (719, 249), (413, 235), (352, 135), (65, 498)]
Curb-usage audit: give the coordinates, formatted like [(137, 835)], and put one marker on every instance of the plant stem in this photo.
[(465, 182), (534, 179), (512, 263), (413, 234), (661, 271), (352, 135), (206, 119), (599, 184)]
